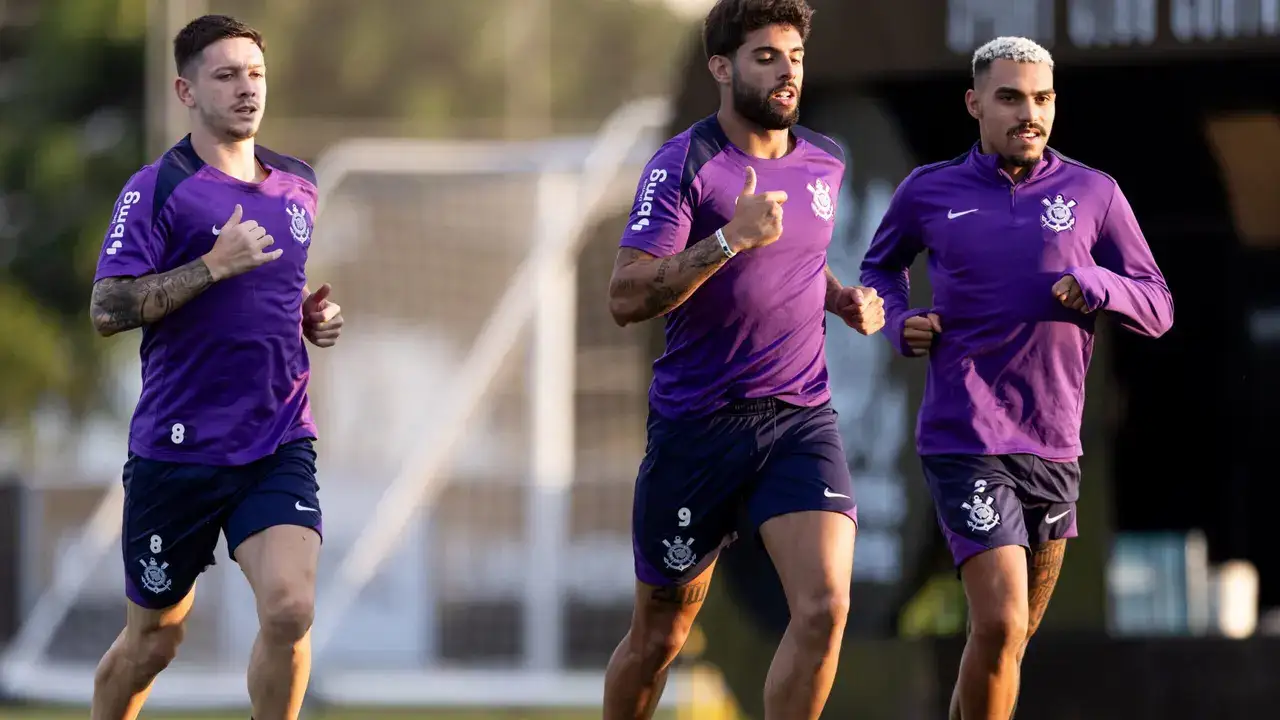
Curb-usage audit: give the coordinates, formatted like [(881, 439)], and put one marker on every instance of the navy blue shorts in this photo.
[(764, 457), (989, 501), (173, 513)]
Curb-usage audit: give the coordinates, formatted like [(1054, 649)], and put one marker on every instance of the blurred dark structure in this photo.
[(1180, 107)]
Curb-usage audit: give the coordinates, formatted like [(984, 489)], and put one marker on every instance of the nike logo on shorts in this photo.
[(1055, 518), (828, 493), (303, 508)]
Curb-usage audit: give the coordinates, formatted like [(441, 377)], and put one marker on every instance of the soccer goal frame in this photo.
[(572, 181)]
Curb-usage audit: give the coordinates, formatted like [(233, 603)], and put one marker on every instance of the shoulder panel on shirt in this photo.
[(820, 141), (178, 164), (287, 163), (1076, 163), (706, 140), (925, 170), (934, 167)]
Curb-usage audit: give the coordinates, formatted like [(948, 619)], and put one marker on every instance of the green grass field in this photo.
[(73, 714)]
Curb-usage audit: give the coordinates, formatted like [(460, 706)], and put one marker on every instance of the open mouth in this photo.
[(246, 111), (784, 96), (1027, 134)]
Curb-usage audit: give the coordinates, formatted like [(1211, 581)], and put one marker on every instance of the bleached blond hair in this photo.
[(1017, 49)]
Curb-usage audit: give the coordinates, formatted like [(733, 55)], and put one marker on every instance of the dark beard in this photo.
[(754, 106), (1021, 161)]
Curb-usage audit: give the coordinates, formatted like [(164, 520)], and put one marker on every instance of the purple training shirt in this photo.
[(1007, 372), (224, 377), (756, 328)]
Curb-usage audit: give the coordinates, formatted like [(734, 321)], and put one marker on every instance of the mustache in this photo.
[(1028, 126)]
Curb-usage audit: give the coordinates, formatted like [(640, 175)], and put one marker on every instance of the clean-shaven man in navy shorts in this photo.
[(739, 406), (1026, 248), (206, 252)]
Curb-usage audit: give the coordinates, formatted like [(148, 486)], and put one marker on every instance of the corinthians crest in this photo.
[(154, 577), (679, 555), (298, 223), (982, 517), (1057, 215), (822, 205)]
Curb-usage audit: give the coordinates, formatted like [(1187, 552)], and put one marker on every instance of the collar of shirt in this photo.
[(988, 165)]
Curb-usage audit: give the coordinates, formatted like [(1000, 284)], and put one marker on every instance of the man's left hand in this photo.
[(861, 309), (1068, 292), (321, 319)]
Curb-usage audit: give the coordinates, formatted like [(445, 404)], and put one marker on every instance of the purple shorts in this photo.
[(763, 457), (989, 501)]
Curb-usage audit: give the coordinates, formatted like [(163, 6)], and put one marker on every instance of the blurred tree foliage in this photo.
[(72, 126), (71, 103)]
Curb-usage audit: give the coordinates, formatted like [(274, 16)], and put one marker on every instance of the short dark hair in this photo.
[(206, 30), (730, 21)]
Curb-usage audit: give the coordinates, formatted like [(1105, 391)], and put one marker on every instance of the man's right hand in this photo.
[(757, 219), (239, 248), (919, 332)]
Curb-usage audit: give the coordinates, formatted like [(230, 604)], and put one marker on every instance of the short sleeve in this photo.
[(661, 215), (134, 244)]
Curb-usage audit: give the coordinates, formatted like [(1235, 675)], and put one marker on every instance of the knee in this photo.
[(1004, 631), (657, 645), (286, 617), (820, 617), (146, 653)]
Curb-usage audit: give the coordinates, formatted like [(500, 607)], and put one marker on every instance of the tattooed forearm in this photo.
[(833, 288), (644, 287), (691, 594), (120, 304), (1042, 573)]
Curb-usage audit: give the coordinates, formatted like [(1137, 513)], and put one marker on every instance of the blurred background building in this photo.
[(483, 418)]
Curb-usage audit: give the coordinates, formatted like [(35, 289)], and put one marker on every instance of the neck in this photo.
[(233, 157), (753, 139)]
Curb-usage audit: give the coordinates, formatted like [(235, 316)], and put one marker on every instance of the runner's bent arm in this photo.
[(124, 303), (644, 287)]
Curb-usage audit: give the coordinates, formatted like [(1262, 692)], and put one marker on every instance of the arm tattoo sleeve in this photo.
[(120, 304), (655, 287)]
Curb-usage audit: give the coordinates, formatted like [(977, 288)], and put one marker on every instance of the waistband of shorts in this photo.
[(753, 406)]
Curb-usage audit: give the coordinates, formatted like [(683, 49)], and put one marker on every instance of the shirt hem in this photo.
[(669, 411), (1066, 454), (219, 459)]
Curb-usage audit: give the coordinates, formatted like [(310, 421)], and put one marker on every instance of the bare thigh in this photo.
[(813, 553), (280, 564)]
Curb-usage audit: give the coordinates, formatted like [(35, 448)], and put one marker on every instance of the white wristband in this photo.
[(724, 244)]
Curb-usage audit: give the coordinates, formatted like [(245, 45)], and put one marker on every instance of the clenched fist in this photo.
[(861, 309), (240, 247), (321, 319), (919, 332), (757, 219), (1068, 292)]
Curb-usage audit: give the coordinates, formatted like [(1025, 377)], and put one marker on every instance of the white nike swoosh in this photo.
[(304, 508), (216, 229), (1056, 518), (952, 215), (827, 492)]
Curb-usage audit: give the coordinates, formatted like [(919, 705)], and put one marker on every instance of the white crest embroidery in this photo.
[(154, 577), (679, 555), (298, 226), (822, 205), (1057, 215)]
